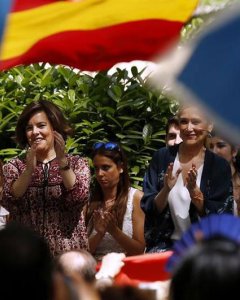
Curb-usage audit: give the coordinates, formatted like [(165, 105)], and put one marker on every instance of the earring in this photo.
[(209, 134)]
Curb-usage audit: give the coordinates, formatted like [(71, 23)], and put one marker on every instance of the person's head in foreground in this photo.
[(205, 263), (79, 261), (208, 271), (26, 265)]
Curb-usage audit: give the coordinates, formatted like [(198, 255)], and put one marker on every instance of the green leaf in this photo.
[(147, 132), (71, 95)]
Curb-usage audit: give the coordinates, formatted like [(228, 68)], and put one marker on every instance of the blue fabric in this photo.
[(215, 185), (4, 9), (213, 71)]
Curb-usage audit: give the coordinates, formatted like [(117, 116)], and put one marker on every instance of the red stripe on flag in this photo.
[(19, 5), (102, 48)]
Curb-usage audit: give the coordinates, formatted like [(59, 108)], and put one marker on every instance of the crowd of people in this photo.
[(77, 219)]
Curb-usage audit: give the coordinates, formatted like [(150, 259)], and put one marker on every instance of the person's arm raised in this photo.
[(66, 171), (194, 191), (169, 182), (20, 186)]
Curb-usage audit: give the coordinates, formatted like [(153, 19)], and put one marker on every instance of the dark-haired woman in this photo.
[(231, 153), (113, 215), (47, 189)]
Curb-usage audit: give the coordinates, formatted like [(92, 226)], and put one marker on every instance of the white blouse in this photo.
[(108, 243), (179, 201)]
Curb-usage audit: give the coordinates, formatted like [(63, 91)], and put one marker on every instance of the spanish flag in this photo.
[(91, 34)]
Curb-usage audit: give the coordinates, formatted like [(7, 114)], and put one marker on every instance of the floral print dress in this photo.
[(47, 206)]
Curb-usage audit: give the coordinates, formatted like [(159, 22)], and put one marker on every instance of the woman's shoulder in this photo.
[(136, 193), (166, 152), (76, 158), (16, 161)]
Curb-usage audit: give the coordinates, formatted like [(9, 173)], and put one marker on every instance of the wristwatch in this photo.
[(65, 168)]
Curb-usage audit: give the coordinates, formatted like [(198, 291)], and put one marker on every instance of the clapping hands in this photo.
[(191, 178), (104, 221), (170, 179)]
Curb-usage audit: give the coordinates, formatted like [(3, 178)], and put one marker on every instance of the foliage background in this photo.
[(120, 107)]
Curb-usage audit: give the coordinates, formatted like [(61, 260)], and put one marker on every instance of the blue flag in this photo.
[(5, 6), (211, 75)]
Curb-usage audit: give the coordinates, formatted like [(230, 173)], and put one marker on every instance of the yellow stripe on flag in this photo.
[(25, 28)]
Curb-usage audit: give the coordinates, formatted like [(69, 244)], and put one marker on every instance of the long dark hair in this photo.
[(96, 200), (234, 147), (54, 114), (209, 270)]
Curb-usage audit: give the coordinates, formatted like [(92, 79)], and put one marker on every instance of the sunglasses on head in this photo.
[(106, 146)]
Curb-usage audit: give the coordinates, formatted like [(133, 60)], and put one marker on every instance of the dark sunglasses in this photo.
[(106, 146)]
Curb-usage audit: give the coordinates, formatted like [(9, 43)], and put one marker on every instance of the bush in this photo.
[(120, 107)]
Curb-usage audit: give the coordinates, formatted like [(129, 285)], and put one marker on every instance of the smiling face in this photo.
[(107, 171), (193, 126), (40, 133)]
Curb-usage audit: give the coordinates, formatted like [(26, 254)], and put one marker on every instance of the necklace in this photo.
[(196, 160)]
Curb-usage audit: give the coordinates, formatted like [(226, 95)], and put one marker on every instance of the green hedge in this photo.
[(120, 107)]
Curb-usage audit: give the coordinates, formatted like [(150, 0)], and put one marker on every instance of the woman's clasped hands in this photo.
[(104, 221)]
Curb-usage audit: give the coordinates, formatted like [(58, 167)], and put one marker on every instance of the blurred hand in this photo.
[(111, 221), (100, 223), (170, 179), (59, 145), (112, 264), (191, 179), (31, 159)]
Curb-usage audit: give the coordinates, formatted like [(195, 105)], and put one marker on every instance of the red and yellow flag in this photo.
[(91, 34)]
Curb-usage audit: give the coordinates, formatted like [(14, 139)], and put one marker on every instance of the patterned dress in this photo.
[(47, 206)]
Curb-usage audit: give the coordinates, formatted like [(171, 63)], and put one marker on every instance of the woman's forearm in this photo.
[(94, 241), (130, 245), (68, 176), (162, 198), (20, 186), (198, 200)]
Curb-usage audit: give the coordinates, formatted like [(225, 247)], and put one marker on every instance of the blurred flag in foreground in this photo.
[(207, 72), (91, 34), (4, 8)]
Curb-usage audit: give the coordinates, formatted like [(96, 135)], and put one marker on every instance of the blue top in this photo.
[(216, 186)]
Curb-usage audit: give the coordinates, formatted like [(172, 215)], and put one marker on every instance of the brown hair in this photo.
[(171, 121), (96, 199), (54, 114)]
